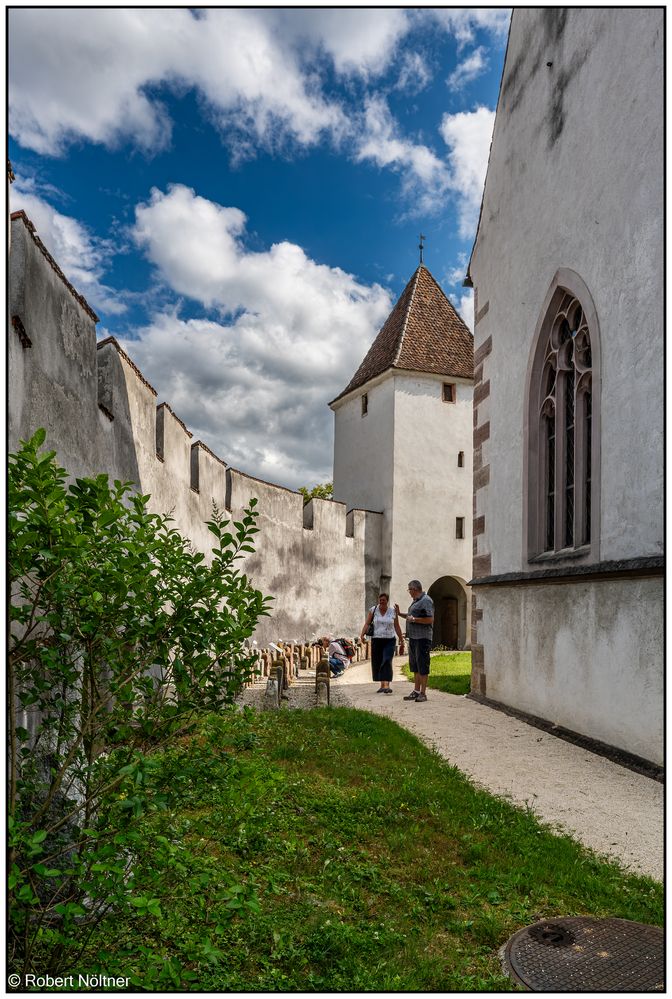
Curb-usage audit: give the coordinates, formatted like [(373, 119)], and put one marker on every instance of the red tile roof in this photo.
[(422, 333)]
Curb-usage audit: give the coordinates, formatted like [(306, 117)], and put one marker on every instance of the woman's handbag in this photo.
[(369, 630)]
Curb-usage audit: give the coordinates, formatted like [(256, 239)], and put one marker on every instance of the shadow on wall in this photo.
[(322, 562), (54, 372), (118, 451), (374, 581)]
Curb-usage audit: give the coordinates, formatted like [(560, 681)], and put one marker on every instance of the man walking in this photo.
[(419, 619)]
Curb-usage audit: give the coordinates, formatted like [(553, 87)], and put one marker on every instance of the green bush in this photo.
[(121, 636)]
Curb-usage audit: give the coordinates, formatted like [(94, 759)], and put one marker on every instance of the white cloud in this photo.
[(466, 308), (414, 74), (468, 135), (455, 275), (260, 72), (463, 22), (261, 75), (468, 69), (81, 255), (255, 383), (360, 42), (423, 173), (234, 57)]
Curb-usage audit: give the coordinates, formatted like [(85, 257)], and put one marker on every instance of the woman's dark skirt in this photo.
[(382, 652)]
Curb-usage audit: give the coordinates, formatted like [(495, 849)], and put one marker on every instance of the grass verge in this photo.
[(331, 850), (449, 672)]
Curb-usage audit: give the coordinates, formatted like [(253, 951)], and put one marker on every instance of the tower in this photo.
[(403, 447)]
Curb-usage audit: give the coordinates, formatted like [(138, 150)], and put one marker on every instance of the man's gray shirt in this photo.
[(422, 607)]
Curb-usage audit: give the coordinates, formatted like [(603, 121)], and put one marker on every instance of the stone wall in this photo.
[(321, 563)]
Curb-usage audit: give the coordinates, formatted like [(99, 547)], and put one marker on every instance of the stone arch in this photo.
[(451, 612)]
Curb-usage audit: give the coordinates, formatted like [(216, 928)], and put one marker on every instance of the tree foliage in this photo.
[(323, 490), (121, 636)]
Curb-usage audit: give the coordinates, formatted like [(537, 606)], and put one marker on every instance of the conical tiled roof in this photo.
[(422, 333)]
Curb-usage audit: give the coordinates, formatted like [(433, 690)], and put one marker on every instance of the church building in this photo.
[(403, 447), (567, 271)]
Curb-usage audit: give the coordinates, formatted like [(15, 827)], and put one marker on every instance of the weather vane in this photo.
[(421, 245)]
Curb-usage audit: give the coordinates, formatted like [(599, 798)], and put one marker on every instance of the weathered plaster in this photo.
[(101, 415)]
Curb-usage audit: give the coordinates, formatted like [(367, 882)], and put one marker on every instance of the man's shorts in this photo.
[(418, 655)]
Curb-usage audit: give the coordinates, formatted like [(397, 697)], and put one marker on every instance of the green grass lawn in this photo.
[(449, 671), (331, 850)]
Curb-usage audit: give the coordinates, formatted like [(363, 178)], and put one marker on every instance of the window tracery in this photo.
[(565, 429)]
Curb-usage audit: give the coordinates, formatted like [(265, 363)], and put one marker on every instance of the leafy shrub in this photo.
[(121, 636)]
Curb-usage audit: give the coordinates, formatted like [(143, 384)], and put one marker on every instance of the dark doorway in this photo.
[(449, 611), (445, 622)]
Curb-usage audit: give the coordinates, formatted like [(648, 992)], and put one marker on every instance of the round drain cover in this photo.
[(581, 954)]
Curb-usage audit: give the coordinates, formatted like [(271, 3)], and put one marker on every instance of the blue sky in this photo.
[(238, 193)]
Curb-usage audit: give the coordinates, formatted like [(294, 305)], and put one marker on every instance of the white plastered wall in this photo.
[(585, 657), (575, 181), (430, 490), (589, 199), (364, 454), (402, 459)]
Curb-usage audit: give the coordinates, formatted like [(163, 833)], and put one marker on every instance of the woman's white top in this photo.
[(383, 624)]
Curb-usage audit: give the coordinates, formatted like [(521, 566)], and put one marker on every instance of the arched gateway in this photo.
[(450, 612)]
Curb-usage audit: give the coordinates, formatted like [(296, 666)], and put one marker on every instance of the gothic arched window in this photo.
[(561, 431)]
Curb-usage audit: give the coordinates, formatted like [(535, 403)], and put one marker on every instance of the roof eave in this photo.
[(357, 389), (391, 372)]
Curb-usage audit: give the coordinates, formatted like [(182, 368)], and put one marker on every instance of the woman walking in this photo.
[(385, 624)]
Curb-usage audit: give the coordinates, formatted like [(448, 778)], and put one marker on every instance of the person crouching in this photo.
[(336, 653)]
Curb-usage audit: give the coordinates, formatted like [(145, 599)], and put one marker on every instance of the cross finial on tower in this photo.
[(421, 245)]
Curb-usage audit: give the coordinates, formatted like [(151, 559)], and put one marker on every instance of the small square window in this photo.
[(459, 527), (448, 392), (460, 459), (365, 404)]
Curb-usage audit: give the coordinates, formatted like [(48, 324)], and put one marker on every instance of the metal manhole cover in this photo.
[(581, 954)]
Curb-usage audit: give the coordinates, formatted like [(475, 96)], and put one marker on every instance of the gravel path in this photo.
[(603, 805)]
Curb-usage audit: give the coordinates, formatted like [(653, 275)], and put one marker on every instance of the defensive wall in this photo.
[(321, 563)]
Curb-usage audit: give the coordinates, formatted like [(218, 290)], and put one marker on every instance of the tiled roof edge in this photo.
[(264, 482), (374, 380), (21, 215), (467, 330), (122, 352), (416, 277), (174, 414), (210, 452)]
